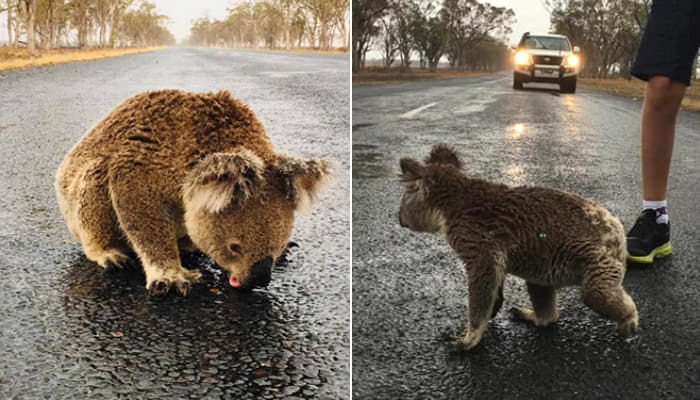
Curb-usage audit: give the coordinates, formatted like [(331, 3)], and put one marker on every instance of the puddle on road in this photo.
[(367, 162)]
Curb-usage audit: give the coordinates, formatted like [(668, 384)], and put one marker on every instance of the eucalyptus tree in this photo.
[(365, 18)]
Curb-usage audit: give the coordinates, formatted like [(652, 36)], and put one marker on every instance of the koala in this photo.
[(170, 170), (547, 237)]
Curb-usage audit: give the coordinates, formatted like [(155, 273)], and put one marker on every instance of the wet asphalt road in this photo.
[(409, 290), (68, 330)]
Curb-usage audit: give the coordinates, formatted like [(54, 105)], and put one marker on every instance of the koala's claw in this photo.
[(464, 344), (522, 314), (159, 288), (184, 288), (114, 265), (471, 339), (629, 326), (181, 281), (527, 314)]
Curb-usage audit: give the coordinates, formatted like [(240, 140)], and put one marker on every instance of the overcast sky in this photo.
[(182, 12), (530, 14)]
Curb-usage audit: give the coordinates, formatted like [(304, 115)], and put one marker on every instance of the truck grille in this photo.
[(547, 60)]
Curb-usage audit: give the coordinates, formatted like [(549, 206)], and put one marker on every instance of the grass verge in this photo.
[(380, 76), (11, 58), (635, 88)]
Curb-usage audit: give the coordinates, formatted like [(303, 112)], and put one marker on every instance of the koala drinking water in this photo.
[(170, 170), (548, 237)]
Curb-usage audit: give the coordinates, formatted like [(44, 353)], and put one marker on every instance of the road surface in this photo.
[(68, 330), (409, 290)]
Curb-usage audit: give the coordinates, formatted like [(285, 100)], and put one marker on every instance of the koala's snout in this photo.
[(401, 222), (260, 273)]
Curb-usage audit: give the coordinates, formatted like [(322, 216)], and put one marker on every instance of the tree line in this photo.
[(50, 24), (607, 31), (276, 24), (470, 34)]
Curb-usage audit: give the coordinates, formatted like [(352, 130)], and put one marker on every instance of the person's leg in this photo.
[(650, 237), (661, 104), (664, 59)]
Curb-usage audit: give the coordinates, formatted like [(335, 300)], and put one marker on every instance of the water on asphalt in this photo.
[(409, 290), (70, 330)]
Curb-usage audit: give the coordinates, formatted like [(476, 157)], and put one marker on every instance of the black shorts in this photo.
[(670, 41)]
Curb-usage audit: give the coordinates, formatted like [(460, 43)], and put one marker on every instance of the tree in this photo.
[(51, 17), (117, 15), (9, 6), (431, 39), (365, 15), (142, 27), (470, 23), (402, 12), (102, 12), (323, 13), (274, 24), (608, 31), (79, 17), (388, 45), (27, 9)]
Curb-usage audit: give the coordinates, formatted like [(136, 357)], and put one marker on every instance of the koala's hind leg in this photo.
[(150, 226), (485, 274), (544, 305), (602, 291), (86, 205)]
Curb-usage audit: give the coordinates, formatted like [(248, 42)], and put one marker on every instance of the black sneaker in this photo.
[(647, 239)]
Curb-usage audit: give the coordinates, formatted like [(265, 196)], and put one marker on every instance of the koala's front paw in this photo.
[(112, 259), (526, 314), (159, 283), (628, 326), (470, 340)]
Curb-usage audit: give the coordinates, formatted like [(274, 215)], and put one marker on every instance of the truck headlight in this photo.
[(572, 60), (522, 58)]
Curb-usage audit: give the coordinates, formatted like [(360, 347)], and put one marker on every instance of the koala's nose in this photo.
[(261, 273)]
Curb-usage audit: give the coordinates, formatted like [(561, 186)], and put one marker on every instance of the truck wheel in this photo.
[(517, 82)]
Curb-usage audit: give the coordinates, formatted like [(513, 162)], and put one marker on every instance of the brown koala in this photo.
[(169, 170), (548, 237)]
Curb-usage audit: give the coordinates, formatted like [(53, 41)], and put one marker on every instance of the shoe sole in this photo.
[(659, 252)]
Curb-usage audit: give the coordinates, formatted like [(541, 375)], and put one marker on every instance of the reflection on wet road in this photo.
[(409, 290), (70, 330)]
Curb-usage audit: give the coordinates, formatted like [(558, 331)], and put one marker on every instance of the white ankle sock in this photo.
[(661, 210)]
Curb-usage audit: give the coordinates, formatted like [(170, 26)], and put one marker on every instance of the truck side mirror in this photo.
[(577, 49)]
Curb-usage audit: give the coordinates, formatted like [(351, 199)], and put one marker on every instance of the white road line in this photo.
[(413, 113)]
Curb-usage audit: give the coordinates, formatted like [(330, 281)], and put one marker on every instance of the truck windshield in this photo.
[(546, 43)]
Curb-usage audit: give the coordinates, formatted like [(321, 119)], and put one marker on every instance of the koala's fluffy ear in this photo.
[(301, 180), (411, 170), (221, 178), (443, 154)]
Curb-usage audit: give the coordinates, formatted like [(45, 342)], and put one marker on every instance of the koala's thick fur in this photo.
[(170, 170), (548, 237)]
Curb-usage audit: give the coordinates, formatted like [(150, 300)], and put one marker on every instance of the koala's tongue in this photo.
[(233, 281)]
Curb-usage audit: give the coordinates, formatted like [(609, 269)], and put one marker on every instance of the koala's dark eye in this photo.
[(236, 249)]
